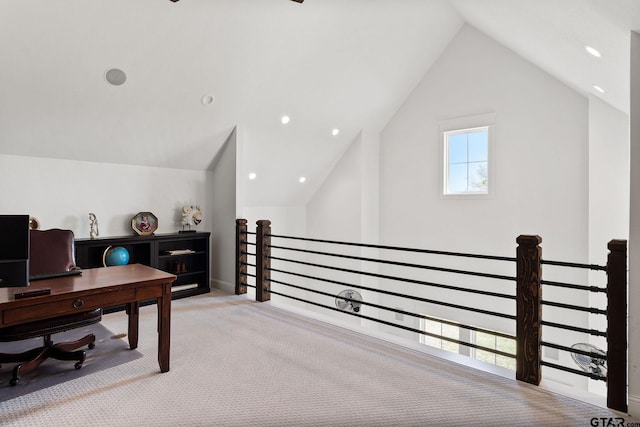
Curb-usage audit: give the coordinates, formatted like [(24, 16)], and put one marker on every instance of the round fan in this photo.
[(593, 365), (349, 300)]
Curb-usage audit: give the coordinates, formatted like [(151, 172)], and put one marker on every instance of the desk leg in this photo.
[(164, 327), (132, 309)]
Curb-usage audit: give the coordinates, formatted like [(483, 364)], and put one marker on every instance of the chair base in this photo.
[(33, 358)]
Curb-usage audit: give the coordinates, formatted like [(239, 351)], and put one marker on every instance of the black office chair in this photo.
[(51, 251)]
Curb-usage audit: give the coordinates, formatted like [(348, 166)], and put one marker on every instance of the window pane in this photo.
[(458, 148), (458, 178), (433, 327), (507, 345), (478, 146), (433, 342), (486, 340), (450, 331), (478, 177)]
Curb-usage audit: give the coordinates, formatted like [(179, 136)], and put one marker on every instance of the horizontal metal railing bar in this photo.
[(247, 274), (401, 264), (249, 232), (396, 310), (574, 307), (574, 350), (573, 286), (435, 302), (398, 248), (247, 253), (407, 328), (248, 285), (247, 264), (593, 332), (413, 281), (575, 265), (573, 371), (380, 276)]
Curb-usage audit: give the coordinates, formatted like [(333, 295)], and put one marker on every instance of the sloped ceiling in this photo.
[(553, 34), (346, 64)]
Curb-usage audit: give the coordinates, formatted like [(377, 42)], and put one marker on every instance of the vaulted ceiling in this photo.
[(345, 64)]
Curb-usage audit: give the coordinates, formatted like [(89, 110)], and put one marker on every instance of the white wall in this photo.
[(608, 177), (61, 193), (540, 156), (222, 188), (608, 200), (540, 165), (334, 213), (634, 232)]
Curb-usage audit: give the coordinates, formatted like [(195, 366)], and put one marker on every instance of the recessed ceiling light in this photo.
[(593, 51), (252, 175), (598, 88), (285, 120), (302, 179), (335, 132)]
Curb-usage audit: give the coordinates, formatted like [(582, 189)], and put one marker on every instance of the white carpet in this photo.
[(236, 363), (108, 352)]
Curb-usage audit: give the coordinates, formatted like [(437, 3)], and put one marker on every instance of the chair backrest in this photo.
[(51, 251)]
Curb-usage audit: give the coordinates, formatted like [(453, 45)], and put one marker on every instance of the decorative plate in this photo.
[(144, 223)]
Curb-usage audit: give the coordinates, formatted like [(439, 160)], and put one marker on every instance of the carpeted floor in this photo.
[(235, 362), (110, 350)]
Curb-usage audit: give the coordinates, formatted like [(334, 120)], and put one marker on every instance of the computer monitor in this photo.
[(14, 250)]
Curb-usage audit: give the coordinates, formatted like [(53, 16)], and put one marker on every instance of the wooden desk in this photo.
[(95, 288)]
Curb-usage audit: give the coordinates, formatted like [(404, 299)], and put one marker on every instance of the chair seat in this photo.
[(50, 326)]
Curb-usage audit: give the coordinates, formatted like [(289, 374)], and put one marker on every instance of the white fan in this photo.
[(351, 303), (592, 365)]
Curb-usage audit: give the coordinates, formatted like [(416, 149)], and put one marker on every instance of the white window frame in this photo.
[(460, 125)]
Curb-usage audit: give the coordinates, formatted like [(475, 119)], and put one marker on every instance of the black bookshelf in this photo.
[(184, 254)]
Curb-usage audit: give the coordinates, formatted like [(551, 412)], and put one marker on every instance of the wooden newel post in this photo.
[(528, 309), (617, 325), (263, 262), (241, 256)]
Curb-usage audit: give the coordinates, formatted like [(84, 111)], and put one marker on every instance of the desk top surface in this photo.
[(92, 280)]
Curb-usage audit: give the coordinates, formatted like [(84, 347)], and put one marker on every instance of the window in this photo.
[(467, 161), (448, 329), (466, 166), (442, 329), (495, 342)]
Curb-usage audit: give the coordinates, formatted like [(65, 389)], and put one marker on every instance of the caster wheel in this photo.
[(78, 365), (13, 382), (92, 345)]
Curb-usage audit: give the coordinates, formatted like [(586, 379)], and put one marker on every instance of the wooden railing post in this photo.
[(617, 325), (241, 256), (263, 262), (528, 309)]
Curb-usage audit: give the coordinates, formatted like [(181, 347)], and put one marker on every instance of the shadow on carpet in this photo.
[(110, 351)]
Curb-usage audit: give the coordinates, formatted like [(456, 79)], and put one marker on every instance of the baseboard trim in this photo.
[(634, 406), (222, 285)]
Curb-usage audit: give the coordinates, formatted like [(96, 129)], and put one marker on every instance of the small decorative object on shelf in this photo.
[(115, 256), (34, 224), (93, 224), (144, 223), (191, 215)]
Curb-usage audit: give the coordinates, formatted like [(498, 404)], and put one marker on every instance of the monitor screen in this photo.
[(14, 250)]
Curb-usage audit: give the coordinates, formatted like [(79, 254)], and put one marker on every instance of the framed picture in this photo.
[(144, 223)]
